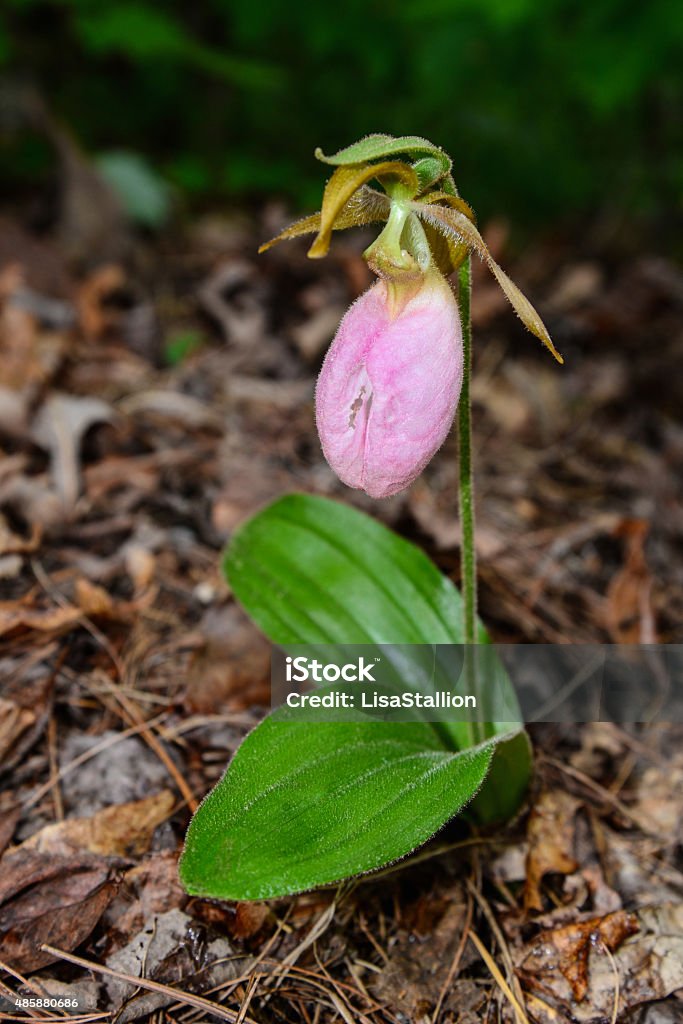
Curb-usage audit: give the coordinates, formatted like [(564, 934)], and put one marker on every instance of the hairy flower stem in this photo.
[(468, 557), (467, 552)]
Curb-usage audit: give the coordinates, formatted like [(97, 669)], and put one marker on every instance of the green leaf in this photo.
[(429, 170), (180, 345), (506, 784), (310, 570), (304, 806), (144, 194), (379, 147)]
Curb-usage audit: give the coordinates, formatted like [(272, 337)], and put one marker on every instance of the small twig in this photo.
[(53, 761), (133, 715), (320, 926), (152, 986), (585, 780), (519, 1011), (340, 998), (500, 939), (28, 983), (604, 948), (364, 927), (455, 963), (251, 988), (342, 1009)]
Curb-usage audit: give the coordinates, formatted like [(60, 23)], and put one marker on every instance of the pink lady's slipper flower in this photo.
[(390, 384)]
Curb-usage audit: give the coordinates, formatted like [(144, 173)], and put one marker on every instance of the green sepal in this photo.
[(430, 171), (448, 185), (379, 147)]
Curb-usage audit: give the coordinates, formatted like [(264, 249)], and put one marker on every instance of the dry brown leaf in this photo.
[(573, 973), (15, 618), (411, 982), (551, 842), (140, 565), (124, 830), (250, 919), (576, 285), (231, 668), (649, 966), (175, 406), (600, 743), (9, 817), (49, 899), (175, 950), (12, 543), (566, 949), (314, 335), (24, 711), (150, 888), (629, 614), (659, 796), (95, 318), (14, 721), (93, 599), (30, 356)]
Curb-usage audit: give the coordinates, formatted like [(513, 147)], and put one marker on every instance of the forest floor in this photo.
[(150, 403)]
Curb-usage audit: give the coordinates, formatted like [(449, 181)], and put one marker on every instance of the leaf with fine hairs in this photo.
[(379, 589), (304, 806), (302, 803), (429, 170), (379, 147)]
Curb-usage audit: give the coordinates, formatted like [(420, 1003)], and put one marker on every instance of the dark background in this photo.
[(559, 112)]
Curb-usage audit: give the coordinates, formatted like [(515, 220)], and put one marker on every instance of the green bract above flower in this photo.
[(427, 221)]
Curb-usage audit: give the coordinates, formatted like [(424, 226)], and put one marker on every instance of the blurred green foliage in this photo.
[(547, 108), (180, 345)]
